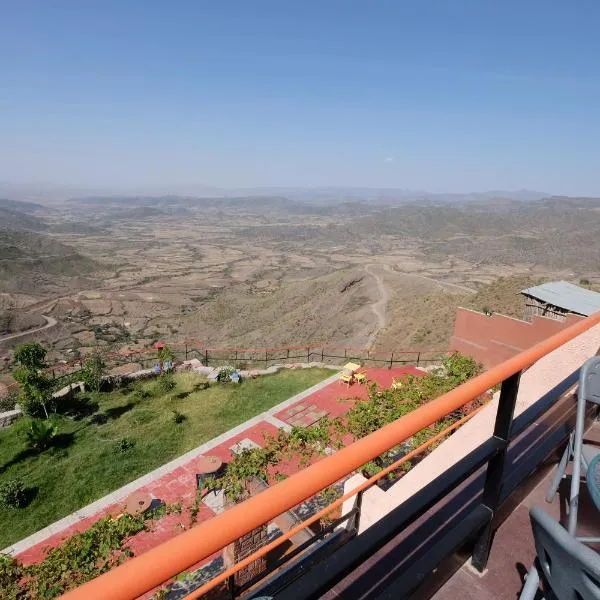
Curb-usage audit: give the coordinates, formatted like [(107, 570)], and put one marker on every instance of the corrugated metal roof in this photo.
[(566, 295)]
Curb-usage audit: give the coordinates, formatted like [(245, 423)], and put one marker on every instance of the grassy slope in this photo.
[(71, 477)]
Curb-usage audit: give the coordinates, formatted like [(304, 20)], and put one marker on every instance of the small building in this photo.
[(557, 299)]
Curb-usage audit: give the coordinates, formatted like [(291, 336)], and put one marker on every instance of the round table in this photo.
[(593, 480), (206, 466), (138, 503)]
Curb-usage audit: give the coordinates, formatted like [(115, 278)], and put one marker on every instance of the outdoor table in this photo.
[(206, 466), (593, 480), (138, 503)]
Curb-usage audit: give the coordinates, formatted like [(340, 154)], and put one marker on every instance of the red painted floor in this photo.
[(337, 398), (179, 486)]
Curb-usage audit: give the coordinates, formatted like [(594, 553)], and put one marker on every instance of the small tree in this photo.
[(165, 353), (35, 386), (93, 372)]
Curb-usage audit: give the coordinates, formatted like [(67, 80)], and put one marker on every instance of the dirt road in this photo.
[(50, 322), (379, 307)]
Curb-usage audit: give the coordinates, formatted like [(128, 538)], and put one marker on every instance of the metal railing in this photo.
[(151, 569)]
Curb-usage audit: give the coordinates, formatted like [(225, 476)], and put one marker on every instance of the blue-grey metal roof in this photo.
[(566, 295)]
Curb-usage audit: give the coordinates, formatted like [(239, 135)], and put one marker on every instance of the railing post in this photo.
[(308, 355), (231, 586), (495, 470), (418, 358), (358, 507), (392, 360), (322, 354)]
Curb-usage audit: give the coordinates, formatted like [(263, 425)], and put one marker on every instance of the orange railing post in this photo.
[(156, 566)]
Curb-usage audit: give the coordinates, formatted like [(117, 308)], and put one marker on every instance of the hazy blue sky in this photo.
[(443, 96)]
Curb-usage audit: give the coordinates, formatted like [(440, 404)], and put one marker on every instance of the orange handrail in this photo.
[(209, 585), (159, 564)]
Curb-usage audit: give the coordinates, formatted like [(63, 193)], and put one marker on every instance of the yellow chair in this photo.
[(361, 377), (347, 377)]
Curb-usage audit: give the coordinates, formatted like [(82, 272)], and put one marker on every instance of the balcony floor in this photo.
[(512, 550)]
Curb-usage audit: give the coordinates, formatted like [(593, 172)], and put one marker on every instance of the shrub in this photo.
[(93, 371), (178, 417), (225, 374), (166, 383), (12, 494), (165, 354), (31, 355), (40, 434), (123, 445)]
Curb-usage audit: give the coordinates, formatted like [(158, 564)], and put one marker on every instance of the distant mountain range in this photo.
[(50, 193)]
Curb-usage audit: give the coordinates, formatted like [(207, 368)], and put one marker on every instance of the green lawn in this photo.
[(84, 466)]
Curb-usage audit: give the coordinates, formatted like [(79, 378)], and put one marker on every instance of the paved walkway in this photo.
[(175, 482)]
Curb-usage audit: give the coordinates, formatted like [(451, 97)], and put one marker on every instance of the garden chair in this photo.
[(347, 377), (567, 569), (348, 371)]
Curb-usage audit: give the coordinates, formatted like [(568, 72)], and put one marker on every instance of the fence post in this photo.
[(495, 470), (358, 508), (308, 354), (186, 352), (345, 353), (392, 360), (206, 357), (288, 354), (322, 353), (266, 358), (236, 358), (418, 358)]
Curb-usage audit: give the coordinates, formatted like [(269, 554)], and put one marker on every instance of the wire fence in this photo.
[(243, 358)]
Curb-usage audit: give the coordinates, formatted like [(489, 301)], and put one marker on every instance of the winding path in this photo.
[(379, 307), (50, 322)]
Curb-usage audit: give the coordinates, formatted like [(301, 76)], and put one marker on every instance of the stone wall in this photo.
[(7, 418)]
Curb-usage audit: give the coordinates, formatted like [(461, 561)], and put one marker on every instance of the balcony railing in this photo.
[(316, 572)]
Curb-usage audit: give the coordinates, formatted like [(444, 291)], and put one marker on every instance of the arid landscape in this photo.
[(259, 271)]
